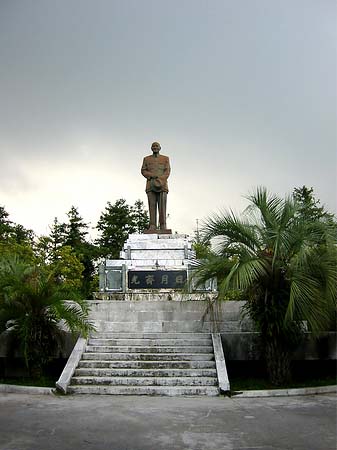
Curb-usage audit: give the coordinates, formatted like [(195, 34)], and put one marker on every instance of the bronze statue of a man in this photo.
[(156, 169)]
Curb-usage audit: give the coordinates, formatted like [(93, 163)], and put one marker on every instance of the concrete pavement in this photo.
[(40, 422)]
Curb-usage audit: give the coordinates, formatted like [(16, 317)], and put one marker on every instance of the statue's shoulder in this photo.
[(164, 157)]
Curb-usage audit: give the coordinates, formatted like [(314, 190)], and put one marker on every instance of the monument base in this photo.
[(152, 263), (166, 231)]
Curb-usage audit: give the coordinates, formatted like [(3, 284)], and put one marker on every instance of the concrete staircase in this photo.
[(149, 347), (147, 363)]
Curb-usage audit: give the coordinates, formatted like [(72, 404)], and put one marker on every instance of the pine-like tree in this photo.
[(114, 225), (140, 216)]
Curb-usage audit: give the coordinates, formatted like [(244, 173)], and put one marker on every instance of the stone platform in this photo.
[(152, 263), (152, 348), (159, 250), (194, 316)]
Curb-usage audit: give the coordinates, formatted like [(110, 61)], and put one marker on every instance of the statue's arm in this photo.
[(145, 172), (167, 169)]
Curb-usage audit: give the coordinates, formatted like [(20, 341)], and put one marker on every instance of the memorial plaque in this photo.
[(157, 279), (114, 280)]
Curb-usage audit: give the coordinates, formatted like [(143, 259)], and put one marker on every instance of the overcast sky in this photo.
[(239, 93)]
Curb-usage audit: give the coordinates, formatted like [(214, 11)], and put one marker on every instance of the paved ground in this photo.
[(42, 422)]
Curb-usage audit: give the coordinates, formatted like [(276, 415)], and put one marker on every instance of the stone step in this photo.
[(149, 316), (86, 372), (148, 305), (165, 326), (171, 391), (149, 342), (147, 361), (149, 356), (145, 381), (144, 349), (147, 364), (132, 335)]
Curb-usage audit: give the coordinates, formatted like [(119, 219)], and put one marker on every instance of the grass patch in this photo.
[(44, 381)]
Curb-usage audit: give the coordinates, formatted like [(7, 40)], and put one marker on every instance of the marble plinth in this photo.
[(166, 231), (151, 262), (144, 250)]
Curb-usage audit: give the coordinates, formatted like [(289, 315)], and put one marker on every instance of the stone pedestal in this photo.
[(159, 250), (166, 231), (152, 263)]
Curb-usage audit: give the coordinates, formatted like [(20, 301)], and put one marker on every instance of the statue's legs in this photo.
[(162, 210), (152, 200), (157, 201)]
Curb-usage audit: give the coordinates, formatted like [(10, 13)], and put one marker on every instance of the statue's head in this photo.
[(155, 147)]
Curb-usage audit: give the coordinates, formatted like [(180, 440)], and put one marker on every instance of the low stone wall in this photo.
[(237, 346), (13, 364), (245, 346), (239, 341), (68, 342)]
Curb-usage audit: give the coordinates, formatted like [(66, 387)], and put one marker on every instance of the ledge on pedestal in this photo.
[(166, 231)]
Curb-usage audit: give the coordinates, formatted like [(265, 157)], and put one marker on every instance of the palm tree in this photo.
[(33, 310), (286, 266)]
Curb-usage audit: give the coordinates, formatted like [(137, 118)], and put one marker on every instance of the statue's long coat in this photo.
[(156, 166)]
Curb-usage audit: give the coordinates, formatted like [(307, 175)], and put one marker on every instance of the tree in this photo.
[(15, 239), (74, 234), (140, 216), (21, 235), (115, 224), (14, 233), (22, 251), (308, 206), (47, 247), (43, 250), (5, 225), (33, 310), (57, 235), (202, 249), (76, 230), (285, 264), (67, 268)]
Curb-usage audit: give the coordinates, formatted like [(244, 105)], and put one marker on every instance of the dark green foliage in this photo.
[(308, 206), (21, 236), (140, 217), (286, 266), (57, 235), (5, 225), (116, 223), (37, 276), (33, 309), (13, 233), (75, 230), (74, 234), (202, 249), (15, 239)]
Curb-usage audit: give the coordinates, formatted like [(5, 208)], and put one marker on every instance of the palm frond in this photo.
[(229, 230), (244, 274)]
